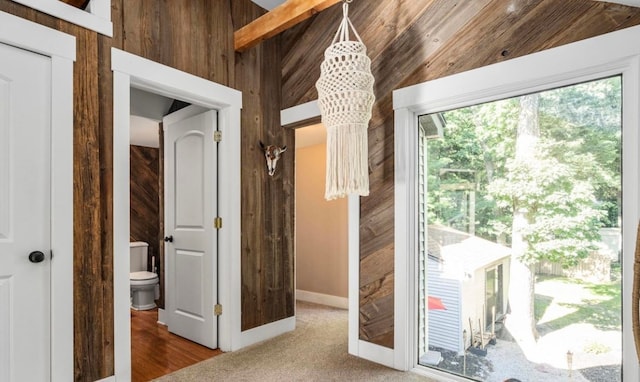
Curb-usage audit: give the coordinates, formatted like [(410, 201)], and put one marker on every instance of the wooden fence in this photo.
[(595, 268)]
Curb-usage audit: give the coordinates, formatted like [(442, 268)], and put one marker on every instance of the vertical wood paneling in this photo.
[(105, 107), (267, 209), (253, 217), (409, 43), (93, 286), (192, 36), (145, 199)]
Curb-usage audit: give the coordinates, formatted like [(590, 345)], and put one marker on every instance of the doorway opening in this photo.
[(322, 266), (150, 332), (131, 71)]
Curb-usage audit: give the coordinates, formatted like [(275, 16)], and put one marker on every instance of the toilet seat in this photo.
[(144, 277)]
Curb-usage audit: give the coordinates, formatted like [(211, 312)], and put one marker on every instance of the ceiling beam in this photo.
[(82, 4), (281, 18)]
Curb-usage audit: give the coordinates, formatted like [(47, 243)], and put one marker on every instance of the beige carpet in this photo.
[(315, 351)]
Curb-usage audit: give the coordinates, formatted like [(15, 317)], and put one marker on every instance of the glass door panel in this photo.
[(519, 236)]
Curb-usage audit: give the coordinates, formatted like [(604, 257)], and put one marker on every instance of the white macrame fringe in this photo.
[(345, 98), (347, 159)]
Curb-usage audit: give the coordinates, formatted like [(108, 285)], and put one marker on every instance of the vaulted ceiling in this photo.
[(270, 4), (412, 41)]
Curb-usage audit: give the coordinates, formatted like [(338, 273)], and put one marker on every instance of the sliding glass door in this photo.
[(517, 199), (519, 236)]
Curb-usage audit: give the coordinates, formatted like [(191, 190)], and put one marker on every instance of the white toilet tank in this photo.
[(138, 256)]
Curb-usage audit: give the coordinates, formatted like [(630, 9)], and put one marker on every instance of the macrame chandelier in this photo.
[(345, 97)]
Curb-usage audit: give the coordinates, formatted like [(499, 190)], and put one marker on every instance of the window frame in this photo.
[(603, 56)]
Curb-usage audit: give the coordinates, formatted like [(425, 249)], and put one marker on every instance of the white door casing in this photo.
[(190, 209), (133, 71), (25, 214), (61, 48)]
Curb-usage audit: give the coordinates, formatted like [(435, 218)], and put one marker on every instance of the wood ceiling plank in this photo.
[(602, 17), (277, 20), (379, 24), (502, 31), (429, 33)]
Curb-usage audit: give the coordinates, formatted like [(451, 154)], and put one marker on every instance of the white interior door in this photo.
[(25, 215), (190, 211)]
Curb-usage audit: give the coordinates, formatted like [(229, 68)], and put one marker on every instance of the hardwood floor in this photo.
[(156, 352)]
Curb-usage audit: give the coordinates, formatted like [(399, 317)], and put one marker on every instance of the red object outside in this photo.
[(435, 303)]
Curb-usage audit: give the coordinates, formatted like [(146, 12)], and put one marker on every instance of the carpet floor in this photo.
[(315, 351)]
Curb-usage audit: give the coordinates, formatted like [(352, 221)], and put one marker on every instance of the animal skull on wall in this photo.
[(272, 154)]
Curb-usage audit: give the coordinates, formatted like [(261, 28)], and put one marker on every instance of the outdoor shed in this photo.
[(470, 275)]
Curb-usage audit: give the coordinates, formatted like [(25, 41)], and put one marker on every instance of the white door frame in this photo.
[(133, 71), (598, 57), (61, 48), (356, 347)]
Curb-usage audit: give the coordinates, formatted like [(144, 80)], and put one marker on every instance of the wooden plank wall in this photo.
[(195, 36), (415, 41), (267, 210), (145, 202)]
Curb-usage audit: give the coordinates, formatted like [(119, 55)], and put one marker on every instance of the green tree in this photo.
[(547, 174)]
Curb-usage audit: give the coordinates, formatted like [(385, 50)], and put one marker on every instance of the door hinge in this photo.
[(217, 222), (217, 310), (217, 136)]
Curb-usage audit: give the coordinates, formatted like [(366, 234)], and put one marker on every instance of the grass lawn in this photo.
[(561, 302)]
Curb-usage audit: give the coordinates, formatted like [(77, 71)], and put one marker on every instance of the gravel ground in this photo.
[(506, 360), (594, 342)]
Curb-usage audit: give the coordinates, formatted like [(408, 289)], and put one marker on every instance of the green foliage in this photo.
[(563, 214), (596, 348), (570, 190)]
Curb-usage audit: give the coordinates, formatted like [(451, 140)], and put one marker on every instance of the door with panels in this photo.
[(190, 214), (25, 215)]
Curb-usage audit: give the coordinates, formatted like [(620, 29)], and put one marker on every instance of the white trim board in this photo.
[(37, 38), (375, 353), (300, 113), (134, 71), (631, 3), (268, 331), (322, 299), (97, 17), (590, 59), (354, 278)]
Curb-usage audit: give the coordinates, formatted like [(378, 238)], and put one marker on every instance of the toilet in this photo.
[(143, 283)]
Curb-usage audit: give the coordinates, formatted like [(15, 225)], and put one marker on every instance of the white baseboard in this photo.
[(268, 331), (375, 353), (323, 299), (108, 379)]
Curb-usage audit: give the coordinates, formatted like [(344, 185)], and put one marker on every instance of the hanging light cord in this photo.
[(345, 25)]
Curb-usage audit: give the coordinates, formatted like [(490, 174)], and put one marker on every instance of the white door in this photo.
[(25, 215), (190, 211)]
